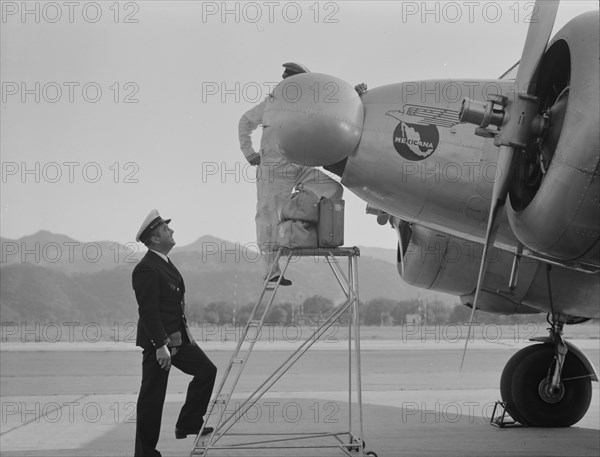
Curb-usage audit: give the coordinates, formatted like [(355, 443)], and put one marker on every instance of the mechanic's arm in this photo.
[(249, 122)]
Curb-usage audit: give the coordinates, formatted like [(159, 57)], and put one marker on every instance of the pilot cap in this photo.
[(293, 68), (152, 221)]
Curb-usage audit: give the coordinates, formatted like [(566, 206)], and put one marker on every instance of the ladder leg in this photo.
[(350, 324), (354, 284)]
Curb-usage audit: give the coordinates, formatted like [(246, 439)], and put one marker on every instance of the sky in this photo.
[(111, 109)]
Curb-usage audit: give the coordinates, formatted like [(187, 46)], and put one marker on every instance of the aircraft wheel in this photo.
[(525, 390), (371, 453)]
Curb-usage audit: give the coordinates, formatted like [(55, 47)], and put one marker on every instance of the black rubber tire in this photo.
[(520, 381), (506, 383)]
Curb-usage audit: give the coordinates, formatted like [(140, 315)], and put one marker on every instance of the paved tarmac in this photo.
[(82, 403)]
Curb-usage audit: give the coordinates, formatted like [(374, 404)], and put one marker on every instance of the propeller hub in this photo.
[(482, 114)]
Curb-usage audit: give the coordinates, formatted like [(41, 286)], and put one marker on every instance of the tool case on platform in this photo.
[(302, 205), (297, 234), (330, 229)]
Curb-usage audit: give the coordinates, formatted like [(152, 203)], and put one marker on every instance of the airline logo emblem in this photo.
[(415, 142), (419, 139)]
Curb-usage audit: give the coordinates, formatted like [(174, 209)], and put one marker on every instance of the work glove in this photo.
[(360, 88), (254, 159)]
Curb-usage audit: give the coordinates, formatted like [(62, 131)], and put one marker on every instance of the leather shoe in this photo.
[(180, 434), (283, 282)]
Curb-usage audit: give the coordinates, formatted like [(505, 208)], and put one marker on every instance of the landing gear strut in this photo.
[(547, 385), (551, 389)]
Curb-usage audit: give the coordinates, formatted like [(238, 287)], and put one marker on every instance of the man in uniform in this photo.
[(164, 335), (274, 175)]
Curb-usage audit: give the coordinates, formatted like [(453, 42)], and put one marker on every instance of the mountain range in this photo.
[(49, 277)]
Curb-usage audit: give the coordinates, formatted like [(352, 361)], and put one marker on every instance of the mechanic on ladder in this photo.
[(274, 175)]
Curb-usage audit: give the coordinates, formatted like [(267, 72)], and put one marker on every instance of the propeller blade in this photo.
[(538, 34), (517, 126), (498, 199), (516, 130)]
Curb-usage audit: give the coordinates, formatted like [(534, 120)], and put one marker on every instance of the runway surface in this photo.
[(81, 402)]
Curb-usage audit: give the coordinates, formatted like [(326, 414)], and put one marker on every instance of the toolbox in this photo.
[(330, 229)]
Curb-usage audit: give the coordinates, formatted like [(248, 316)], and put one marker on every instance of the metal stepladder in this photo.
[(348, 442)]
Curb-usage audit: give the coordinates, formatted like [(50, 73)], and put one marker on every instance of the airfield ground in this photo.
[(78, 398)]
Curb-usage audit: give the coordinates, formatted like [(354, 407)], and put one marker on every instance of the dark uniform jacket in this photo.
[(159, 290)]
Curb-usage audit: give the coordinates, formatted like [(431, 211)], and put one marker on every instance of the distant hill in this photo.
[(36, 288), (209, 244), (37, 294), (385, 254), (67, 255)]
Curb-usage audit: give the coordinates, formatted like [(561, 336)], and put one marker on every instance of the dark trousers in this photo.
[(191, 360)]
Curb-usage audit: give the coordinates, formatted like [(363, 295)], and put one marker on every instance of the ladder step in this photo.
[(253, 323), (222, 399), (237, 361)]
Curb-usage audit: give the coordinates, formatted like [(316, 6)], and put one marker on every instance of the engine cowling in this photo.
[(554, 199), (434, 260)]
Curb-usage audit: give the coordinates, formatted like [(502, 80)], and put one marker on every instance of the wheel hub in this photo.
[(550, 395)]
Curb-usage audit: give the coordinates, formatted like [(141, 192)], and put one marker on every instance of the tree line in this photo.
[(376, 312)]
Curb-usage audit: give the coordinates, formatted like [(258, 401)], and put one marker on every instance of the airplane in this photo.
[(504, 214)]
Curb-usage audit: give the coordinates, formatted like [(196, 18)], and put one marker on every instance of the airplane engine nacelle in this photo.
[(437, 261), (554, 205)]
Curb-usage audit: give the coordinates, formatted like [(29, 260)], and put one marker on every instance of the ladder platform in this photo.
[(321, 252)]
